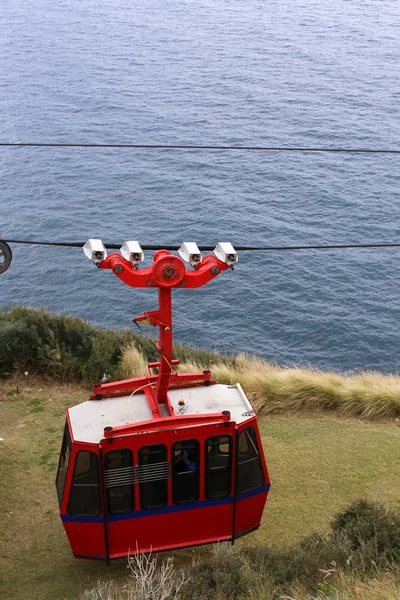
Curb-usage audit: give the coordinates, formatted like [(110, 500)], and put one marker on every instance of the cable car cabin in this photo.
[(165, 482), (166, 460)]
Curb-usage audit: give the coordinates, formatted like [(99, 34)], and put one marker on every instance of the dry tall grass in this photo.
[(133, 363), (386, 586), (275, 389)]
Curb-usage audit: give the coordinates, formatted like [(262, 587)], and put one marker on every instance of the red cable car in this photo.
[(167, 460)]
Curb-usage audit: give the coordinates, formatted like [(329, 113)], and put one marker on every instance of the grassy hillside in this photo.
[(318, 464), (320, 454), (71, 350)]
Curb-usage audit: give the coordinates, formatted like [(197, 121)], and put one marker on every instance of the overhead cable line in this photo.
[(6, 252), (207, 248), (200, 147)]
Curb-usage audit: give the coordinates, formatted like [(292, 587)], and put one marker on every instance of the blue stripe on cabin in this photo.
[(137, 514)]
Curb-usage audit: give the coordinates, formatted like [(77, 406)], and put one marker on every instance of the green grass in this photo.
[(36, 405), (318, 464)]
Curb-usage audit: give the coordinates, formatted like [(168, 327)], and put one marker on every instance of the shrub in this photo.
[(148, 581), (371, 530), (57, 346), (226, 574)]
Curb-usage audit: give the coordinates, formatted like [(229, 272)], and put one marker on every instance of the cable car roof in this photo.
[(89, 418)]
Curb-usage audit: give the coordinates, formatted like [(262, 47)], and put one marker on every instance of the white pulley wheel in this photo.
[(5, 257)]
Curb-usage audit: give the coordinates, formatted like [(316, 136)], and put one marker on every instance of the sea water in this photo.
[(260, 72)]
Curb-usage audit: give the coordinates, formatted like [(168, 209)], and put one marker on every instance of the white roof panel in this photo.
[(89, 419), (212, 399)]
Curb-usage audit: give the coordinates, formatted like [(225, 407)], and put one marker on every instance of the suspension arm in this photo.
[(166, 271)]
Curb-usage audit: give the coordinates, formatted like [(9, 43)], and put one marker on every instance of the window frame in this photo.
[(229, 467), (131, 485), (95, 457), (143, 483), (256, 446), (193, 443), (65, 452)]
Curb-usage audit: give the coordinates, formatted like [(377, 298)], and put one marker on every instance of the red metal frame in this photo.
[(167, 271), (162, 424)]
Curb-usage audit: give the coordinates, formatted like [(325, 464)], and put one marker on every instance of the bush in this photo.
[(370, 530), (148, 581), (66, 348), (227, 574)]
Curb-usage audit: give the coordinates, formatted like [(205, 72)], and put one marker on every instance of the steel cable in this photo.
[(206, 248), (199, 147)]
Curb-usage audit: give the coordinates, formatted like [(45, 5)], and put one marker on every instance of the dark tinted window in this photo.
[(153, 472), (250, 475), (118, 478), (63, 464), (84, 498), (218, 466), (185, 471)]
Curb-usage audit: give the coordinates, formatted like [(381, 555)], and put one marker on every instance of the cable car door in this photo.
[(251, 479)]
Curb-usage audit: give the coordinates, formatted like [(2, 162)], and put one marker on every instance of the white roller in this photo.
[(95, 251), (133, 252), (226, 252), (190, 253)]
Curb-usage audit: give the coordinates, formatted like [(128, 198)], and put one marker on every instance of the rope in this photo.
[(134, 392)]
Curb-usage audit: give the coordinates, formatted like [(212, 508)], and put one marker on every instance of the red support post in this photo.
[(165, 310)]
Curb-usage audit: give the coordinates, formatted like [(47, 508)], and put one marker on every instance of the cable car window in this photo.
[(152, 475), (218, 466), (185, 471), (84, 498), (63, 464), (118, 478), (250, 475)]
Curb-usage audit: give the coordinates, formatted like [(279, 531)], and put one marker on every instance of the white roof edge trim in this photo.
[(245, 398)]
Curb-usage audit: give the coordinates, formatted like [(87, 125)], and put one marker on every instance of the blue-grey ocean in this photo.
[(254, 72)]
